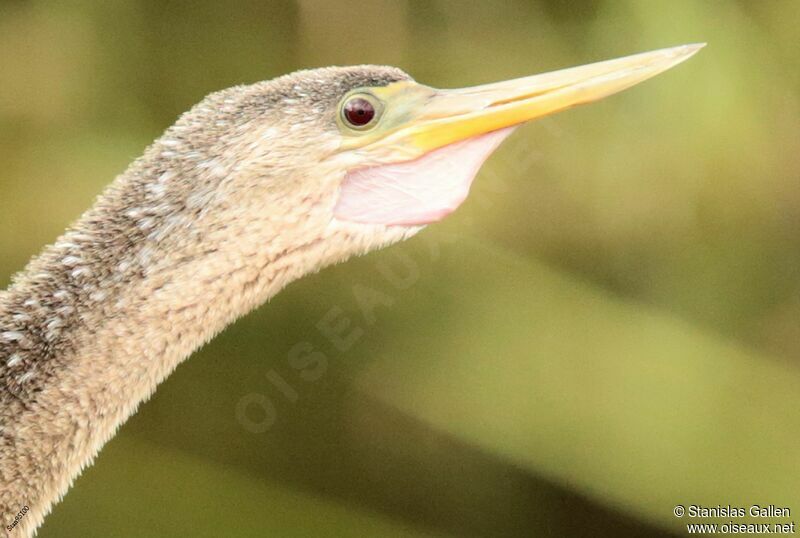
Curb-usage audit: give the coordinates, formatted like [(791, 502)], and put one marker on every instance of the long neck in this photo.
[(105, 314)]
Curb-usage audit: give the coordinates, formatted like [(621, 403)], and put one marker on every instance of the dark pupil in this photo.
[(359, 111)]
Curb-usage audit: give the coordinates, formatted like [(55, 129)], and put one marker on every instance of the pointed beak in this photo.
[(436, 118)]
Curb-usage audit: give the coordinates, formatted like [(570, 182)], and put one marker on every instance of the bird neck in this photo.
[(96, 321)]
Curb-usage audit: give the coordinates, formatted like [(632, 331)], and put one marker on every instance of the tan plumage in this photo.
[(232, 203), (221, 212)]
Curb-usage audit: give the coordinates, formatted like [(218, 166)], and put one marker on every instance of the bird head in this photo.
[(353, 158)]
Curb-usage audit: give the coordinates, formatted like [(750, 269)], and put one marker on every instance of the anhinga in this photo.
[(252, 188)]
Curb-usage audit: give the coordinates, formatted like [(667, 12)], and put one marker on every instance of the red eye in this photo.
[(358, 112)]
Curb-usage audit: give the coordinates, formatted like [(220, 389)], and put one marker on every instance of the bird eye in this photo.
[(358, 112)]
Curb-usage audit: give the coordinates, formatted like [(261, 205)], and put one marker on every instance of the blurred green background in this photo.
[(610, 325)]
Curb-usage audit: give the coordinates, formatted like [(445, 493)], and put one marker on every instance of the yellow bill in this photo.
[(420, 119), (420, 148)]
